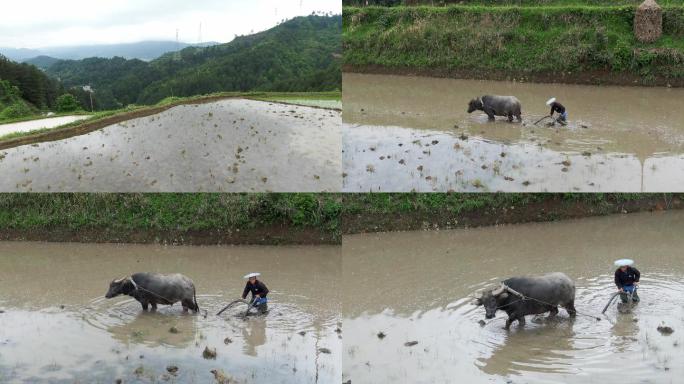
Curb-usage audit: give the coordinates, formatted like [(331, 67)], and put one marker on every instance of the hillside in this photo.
[(301, 54), (554, 42), (42, 62), (26, 87), (143, 50)]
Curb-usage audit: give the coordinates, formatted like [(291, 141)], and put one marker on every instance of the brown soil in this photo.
[(268, 235), (552, 209), (595, 77)]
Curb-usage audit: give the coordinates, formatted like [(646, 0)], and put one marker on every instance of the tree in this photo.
[(67, 103)]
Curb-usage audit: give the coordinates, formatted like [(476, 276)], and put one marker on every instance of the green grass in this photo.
[(491, 3), (169, 212), (568, 38), (455, 203)]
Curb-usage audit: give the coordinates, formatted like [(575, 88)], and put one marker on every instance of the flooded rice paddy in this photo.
[(414, 133), (28, 126), (57, 327), (408, 315), (232, 145)]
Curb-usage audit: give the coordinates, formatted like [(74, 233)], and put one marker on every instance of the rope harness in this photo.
[(523, 298), (139, 288)]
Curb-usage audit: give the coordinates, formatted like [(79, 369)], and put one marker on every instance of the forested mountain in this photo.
[(302, 54), (42, 62), (32, 84), (144, 50)]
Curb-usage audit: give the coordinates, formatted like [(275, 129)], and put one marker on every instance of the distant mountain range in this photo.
[(301, 54), (144, 50)]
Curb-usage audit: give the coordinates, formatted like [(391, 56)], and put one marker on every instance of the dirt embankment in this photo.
[(552, 209), (267, 235), (594, 77)]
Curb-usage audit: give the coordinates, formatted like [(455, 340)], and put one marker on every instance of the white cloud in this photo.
[(46, 23)]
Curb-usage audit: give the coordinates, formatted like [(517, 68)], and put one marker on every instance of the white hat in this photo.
[(250, 275), (551, 101), (624, 262)]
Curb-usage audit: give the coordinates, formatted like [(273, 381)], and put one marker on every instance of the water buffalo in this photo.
[(154, 288), (520, 296), (496, 106)]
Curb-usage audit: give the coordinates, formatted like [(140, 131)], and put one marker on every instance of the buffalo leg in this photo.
[(553, 312), (570, 307), (510, 117), (508, 323), (521, 320), (145, 305), (189, 304), (154, 306), (490, 115), (519, 117)]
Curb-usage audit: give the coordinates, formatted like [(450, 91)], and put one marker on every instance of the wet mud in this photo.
[(231, 145), (57, 327), (412, 133), (422, 326)]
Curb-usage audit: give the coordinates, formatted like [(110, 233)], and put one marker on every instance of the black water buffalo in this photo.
[(520, 296), (508, 106), (154, 288)]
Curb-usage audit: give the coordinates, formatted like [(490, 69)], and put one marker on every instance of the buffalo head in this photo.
[(118, 287), (491, 300), (474, 105)]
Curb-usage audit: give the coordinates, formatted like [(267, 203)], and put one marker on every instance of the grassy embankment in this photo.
[(289, 218), (391, 3), (103, 119), (553, 42), (410, 211), (172, 218)]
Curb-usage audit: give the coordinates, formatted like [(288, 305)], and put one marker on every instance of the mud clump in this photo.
[(227, 340), (381, 335), (220, 376), (173, 330), (324, 350), (665, 330), (172, 369), (209, 353), (410, 343), (648, 22)]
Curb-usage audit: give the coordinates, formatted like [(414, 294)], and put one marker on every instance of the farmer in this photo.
[(258, 290), (627, 279), (558, 107)]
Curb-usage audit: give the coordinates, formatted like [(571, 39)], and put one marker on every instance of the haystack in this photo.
[(648, 22)]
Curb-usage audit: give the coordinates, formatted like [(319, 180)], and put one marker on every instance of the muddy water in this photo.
[(636, 134), (414, 286), (57, 326), (27, 126), (228, 146)]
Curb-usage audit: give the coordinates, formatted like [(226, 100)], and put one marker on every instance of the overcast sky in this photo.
[(49, 23)]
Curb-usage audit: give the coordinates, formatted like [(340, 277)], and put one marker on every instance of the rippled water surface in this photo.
[(413, 133), (58, 327), (415, 287)]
